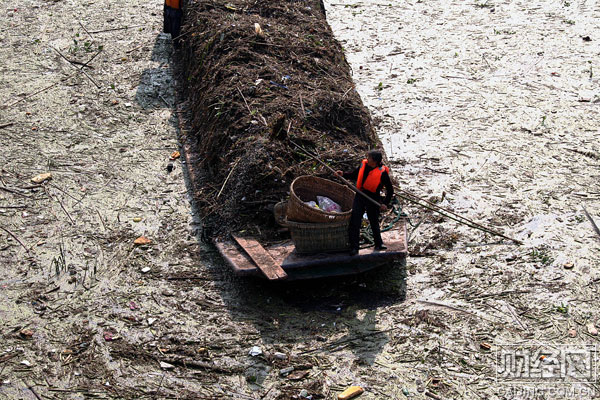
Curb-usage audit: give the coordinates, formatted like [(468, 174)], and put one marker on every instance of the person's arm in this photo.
[(389, 189), (352, 176)]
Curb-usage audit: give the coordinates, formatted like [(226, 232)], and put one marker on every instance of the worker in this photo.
[(371, 176), (173, 14)]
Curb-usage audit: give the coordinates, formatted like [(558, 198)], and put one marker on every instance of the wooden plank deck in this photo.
[(239, 261), (261, 258), (298, 266)]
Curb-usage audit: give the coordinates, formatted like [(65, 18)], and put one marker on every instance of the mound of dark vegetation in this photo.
[(257, 76)]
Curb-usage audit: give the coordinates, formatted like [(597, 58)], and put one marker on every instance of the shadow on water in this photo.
[(285, 313), (156, 88), (304, 311)]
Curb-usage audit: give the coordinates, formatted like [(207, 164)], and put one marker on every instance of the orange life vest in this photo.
[(373, 179), (172, 3)]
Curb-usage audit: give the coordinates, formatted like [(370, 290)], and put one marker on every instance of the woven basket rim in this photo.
[(310, 225), (306, 206)]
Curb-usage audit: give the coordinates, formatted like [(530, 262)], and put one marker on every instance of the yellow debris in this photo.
[(41, 178), (350, 393)]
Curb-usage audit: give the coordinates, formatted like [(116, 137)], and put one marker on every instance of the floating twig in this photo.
[(117, 29), (12, 191), (101, 220), (137, 47), (591, 221), (61, 205), (86, 31), (515, 316), (192, 364), (16, 238), (37, 92), (586, 153), (452, 307), (165, 101), (48, 87), (37, 396), (345, 341), (84, 65), (79, 69)]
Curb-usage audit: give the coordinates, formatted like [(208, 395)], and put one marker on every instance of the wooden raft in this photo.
[(282, 258)]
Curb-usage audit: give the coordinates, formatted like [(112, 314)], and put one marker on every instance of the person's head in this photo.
[(374, 158)]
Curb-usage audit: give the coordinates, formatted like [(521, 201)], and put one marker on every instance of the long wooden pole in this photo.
[(456, 217), (434, 207), (416, 200)]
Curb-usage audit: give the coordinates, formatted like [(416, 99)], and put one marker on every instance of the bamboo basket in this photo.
[(314, 237), (306, 188), (319, 238)]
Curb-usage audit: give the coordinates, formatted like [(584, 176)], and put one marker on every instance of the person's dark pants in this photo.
[(172, 23), (359, 207)]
